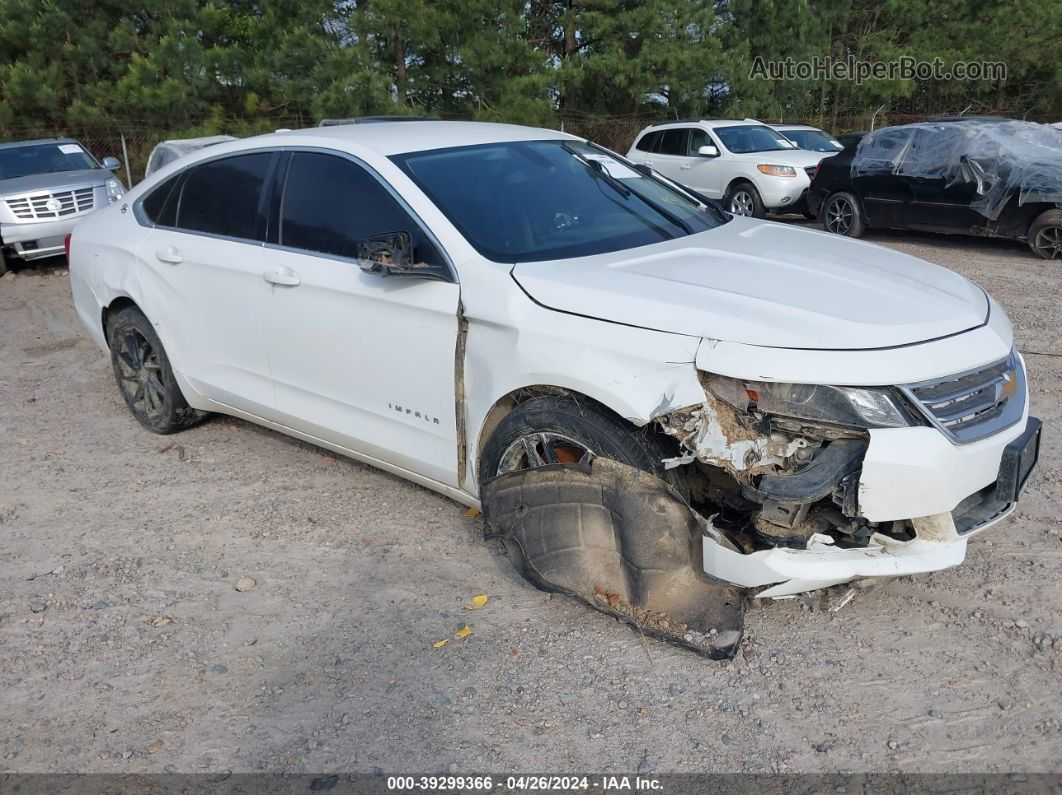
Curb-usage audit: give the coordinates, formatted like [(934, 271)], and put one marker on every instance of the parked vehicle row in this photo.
[(460, 302), (46, 186)]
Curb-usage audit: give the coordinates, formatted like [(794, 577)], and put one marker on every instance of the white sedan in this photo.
[(456, 302)]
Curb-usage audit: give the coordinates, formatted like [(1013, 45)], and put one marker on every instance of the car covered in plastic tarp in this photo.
[(987, 176)]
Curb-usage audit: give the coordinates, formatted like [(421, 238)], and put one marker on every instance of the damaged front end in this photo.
[(775, 468)]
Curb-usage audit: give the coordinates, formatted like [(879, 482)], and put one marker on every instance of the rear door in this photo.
[(886, 194), (200, 271)]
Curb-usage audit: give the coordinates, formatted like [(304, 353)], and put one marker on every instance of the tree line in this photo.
[(242, 65)]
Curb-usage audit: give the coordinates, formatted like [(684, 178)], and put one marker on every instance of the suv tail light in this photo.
[(66, 246), (814, 174)]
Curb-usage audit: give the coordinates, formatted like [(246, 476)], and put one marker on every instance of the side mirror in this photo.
[(708, 151), (389, 254), (112, 163)]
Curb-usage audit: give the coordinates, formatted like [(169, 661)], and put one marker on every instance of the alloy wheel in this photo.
[(1048, 243), (741, 203), (140, 373), (542, 448), (840, 214)]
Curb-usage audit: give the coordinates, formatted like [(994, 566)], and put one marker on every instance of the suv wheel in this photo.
[(743, 199), (555, 429), (842, 216), (1045, 235), (145, 378)]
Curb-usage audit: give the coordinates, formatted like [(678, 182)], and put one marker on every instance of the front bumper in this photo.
[(940, 536), (783, 194)]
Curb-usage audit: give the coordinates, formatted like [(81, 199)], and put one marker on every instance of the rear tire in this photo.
[(560, 429), (1045, 235), (743, 199), (144, 375), (842, 215)]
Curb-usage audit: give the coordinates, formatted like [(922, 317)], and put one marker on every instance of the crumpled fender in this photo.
[(621, 540)]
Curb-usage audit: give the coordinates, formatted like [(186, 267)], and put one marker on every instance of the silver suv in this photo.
[(46, 186)]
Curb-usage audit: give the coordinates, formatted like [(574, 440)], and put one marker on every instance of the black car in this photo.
[(990, 177)]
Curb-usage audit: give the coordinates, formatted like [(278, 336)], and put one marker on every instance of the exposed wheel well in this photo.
[(508, 402), (109, 311)]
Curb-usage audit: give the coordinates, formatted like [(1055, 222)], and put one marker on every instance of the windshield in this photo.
[(814, 140), (745, 138), (527, 201), (21, 161)]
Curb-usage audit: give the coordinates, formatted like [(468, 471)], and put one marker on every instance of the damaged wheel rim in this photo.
[(541, 449), (839, 217)]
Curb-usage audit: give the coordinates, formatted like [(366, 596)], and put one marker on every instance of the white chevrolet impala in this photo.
[(453, 301)]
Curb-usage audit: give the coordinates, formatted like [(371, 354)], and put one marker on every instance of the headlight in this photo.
[(776, 171), (857, 407), (114, 190)]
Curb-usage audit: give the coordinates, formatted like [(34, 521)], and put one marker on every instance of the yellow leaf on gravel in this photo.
[(440, 643), (472, 512), (478, 601), (464, 632)]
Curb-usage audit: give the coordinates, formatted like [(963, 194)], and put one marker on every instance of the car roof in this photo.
[(714, 122), (399, 137), (15, 144), (794, 127)]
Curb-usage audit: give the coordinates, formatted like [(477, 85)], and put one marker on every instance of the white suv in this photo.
[(752, 168), (468, 304)]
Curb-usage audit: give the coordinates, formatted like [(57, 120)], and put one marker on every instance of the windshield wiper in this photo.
[(670, 216), (599, 170)]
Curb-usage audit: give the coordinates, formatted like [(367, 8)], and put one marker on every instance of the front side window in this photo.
[(224, 197), (742, 139), (528, 201), (881, 151), (698, 138), (330, 204), (50, 158)]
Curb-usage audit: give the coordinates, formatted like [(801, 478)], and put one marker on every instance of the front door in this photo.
[(886, 194), (360, 359), (944, 184)]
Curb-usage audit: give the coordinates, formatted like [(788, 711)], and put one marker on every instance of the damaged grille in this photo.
[(58, 204), (975, 404)]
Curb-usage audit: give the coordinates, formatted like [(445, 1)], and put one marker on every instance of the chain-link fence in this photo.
[(133, 145)]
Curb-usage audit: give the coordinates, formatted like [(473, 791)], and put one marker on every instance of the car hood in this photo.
[(57, 180), (764, 283), (798, 158)]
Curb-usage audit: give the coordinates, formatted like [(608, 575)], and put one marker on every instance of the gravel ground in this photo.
[(125, 645)]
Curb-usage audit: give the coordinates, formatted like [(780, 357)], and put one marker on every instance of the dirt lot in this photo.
[(124, 645)]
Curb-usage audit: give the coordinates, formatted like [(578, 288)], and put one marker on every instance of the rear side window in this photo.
[(673, 142), (224, 197), (160, 206), (650, 141), (330, 204)]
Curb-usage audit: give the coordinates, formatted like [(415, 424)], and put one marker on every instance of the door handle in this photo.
[(285, 277), (170, 255)]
